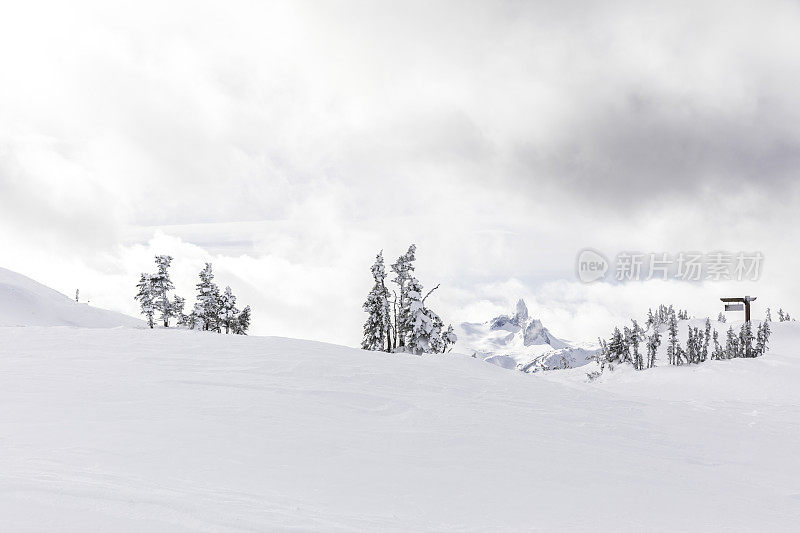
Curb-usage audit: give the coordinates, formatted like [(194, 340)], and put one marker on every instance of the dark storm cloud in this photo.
[(599, 102), (629, 103), (651, 146)]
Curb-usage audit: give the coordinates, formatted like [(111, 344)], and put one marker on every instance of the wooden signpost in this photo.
[(738, 304)]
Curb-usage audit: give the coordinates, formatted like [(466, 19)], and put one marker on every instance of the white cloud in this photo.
[(288, 142)]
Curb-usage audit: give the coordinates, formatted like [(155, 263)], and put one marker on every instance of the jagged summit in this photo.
[(531, 329), (536, 333), (512, 323), (520, 341), (522, 310)]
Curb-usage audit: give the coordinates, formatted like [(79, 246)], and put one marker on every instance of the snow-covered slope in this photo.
[(521, 342), (24, 302), (140, 430)]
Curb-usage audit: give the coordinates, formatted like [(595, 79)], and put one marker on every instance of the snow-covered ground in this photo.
[(164, 430), (25, 302), (131, 429)]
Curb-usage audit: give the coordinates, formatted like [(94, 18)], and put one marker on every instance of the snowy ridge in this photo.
[(25, 302), (521, 342)]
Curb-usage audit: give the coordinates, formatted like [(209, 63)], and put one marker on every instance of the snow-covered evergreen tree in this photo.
[(627, 336), (746, 340), (242, 322), (208, 303), (421, 327), (651, 319), (731, 344), (403, 269), (228, 312), (178, 308), (437, 341), (635, 337), (698, 338), (691, 346), (418, 329), (441, 339), (162, 284), (706, 339), (146, 298), (781, 316), (616, 347), (664, 312), (378, 324), (449, 338), (193, 320), (680, 355), (718, 353), (653, 342), (672, 346), (409, 325), (762, 339), (696, 342), (769, 315), (411, 314), (601, 357), (721, 317)]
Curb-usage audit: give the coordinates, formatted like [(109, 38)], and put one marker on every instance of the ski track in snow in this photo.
[(132, 429)]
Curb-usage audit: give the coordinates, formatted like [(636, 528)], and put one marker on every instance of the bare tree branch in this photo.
[(429, 293)]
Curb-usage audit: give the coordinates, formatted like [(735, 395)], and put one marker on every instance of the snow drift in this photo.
[(24, 302)]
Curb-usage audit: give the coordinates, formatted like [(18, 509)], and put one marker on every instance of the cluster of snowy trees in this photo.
[(402, 322), (213, 311), (638, 346), (782, 316), (662, 315), (741, 344), (626, 347), (153, 294)]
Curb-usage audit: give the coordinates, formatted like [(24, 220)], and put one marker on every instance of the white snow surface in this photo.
[(521, 342), (25, 302), (169, 430)]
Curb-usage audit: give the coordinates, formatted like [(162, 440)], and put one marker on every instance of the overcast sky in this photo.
[(288, 142)]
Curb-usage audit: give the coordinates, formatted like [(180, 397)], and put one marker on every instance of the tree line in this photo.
[(401, 321), (625, 346), (783, 316), (214, 310)]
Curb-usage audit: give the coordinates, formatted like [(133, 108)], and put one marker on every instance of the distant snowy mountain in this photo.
[(25, 302), (521, 342)]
